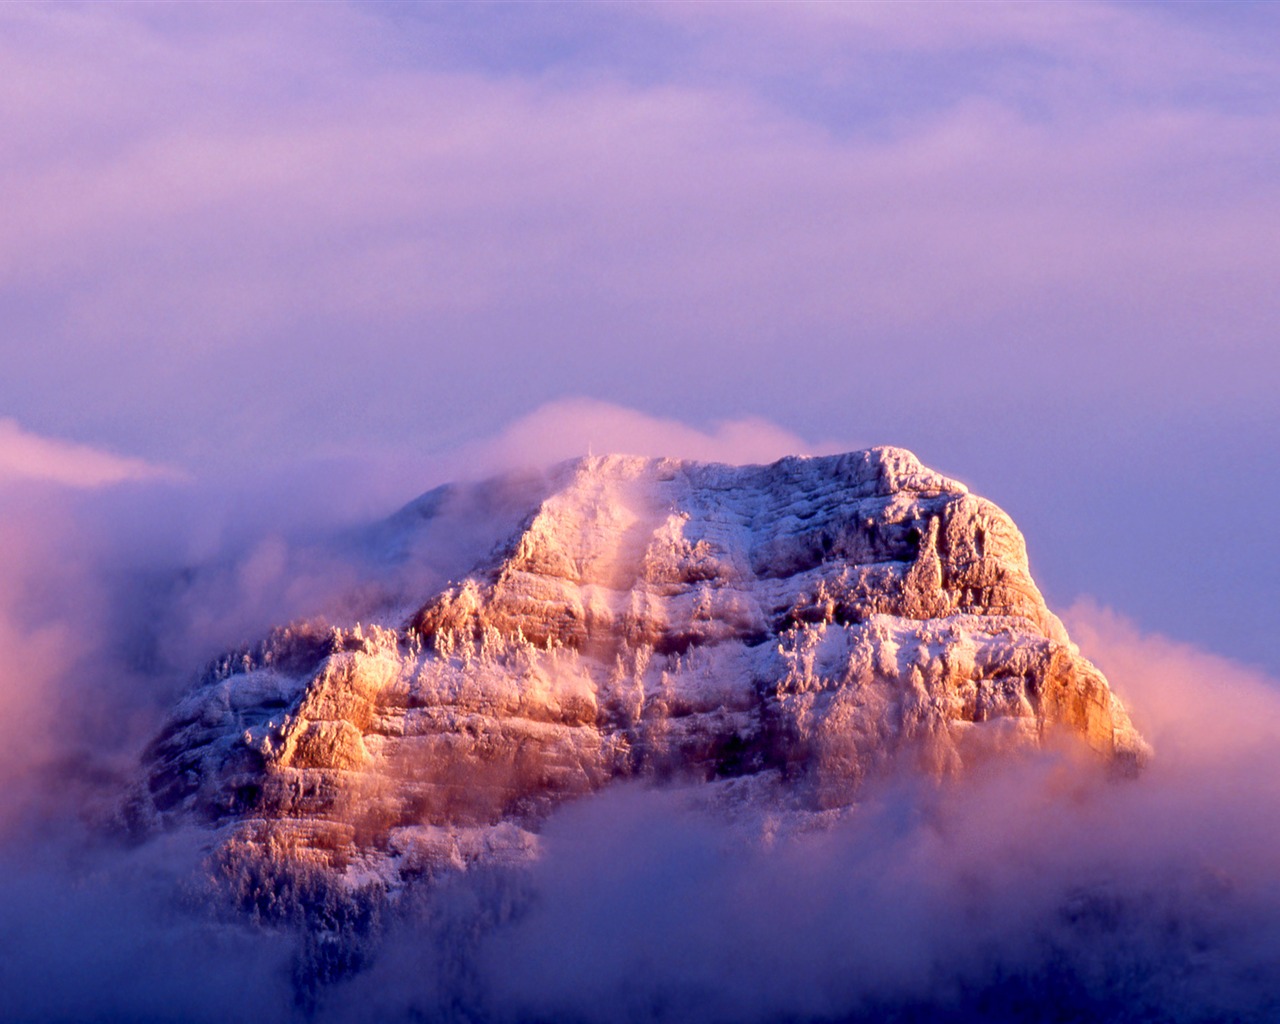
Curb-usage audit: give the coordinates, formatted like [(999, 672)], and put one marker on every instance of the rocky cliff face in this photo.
[(783, 633)]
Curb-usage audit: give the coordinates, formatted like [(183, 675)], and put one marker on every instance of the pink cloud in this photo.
[(50, 617), (1198, 709), (572, 427), (29, 457)]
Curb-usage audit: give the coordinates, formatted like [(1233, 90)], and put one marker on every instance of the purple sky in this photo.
[(1036, 243)]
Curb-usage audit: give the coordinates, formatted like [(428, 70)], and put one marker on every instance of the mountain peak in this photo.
[(792, 630)]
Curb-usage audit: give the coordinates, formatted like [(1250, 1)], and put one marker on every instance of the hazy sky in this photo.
[(1035, 243), (265, 268)]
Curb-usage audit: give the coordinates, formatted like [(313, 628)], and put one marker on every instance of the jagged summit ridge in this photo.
[(788, 630), (658, 550)]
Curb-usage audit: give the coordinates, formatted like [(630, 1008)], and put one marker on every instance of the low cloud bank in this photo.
[(1037, 889)]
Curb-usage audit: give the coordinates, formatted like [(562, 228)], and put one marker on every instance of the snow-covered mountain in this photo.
[(783, 634)]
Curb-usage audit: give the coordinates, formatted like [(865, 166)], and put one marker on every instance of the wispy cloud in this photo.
[(1025, 241), (30, 457), (259, 187), (579, 426), (1204, 711)]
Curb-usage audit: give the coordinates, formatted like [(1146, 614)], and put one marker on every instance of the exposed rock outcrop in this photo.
[(797, 628)]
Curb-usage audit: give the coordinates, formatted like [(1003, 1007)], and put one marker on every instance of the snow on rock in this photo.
[(793, 629)]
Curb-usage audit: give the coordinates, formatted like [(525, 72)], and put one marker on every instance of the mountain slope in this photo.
[(784, 633)]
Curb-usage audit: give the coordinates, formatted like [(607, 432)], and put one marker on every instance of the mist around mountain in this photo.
[(1035, 888)]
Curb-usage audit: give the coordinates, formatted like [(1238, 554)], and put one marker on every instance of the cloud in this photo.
[(1200, 709), (572, 427), (1032, 883), (238, 242), (358, 228), (241, 239), (92, 932), (29, 457), (1041, 42)]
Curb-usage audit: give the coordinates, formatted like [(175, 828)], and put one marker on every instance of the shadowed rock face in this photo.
[(785, 632)]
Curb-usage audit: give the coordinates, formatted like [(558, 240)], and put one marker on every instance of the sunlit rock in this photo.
[(789, 632)]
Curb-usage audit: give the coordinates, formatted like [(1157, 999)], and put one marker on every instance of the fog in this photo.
[(1034, 889)]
